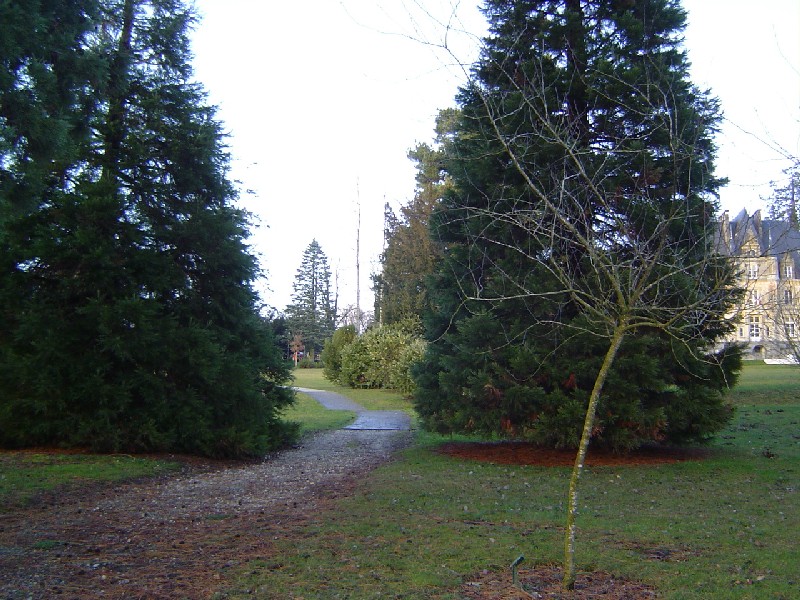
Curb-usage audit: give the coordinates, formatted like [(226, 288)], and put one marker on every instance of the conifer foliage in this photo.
[(576, 235), (580, 298), (785, 197), (129, 321), (410, 255), (312, 313)]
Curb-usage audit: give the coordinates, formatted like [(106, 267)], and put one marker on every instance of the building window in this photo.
[(788, 271), (787, 296), (755, 298), (755, 328), (790, 331), (752, 271)]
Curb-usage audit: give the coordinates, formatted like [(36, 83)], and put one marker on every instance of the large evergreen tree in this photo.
[(580, 296), (410, 255), (583, 196), (129, 317), (312, 313)]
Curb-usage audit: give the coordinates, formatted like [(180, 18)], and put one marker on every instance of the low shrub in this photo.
[(382, 358), (332, 352)]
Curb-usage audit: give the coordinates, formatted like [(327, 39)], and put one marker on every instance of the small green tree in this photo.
[(312, 313)]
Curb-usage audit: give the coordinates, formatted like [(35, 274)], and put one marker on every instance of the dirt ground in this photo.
[(179, 536), (545, 582)]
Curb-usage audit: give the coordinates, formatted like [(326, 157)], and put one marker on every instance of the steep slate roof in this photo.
[(774, 237)]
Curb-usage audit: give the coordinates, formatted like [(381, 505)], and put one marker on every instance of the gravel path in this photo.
[(177, 536), (365, 419)]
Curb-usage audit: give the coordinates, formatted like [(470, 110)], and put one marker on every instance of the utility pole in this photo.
[(358, 260)]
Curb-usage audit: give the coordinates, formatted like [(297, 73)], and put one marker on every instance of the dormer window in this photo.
[(788, 297), (788, 271), (752, 270)]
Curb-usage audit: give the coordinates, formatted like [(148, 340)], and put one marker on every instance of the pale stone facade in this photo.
[(767, 253)]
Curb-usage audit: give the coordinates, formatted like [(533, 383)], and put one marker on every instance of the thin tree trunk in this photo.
[(568, 582), (118, 92)]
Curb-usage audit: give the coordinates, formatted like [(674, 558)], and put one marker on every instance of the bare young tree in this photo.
[(655, 272), (787, 320), (353, 315), (583, 209)]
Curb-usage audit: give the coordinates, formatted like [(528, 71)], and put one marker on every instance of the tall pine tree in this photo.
[(580, 296), (312, 313), (582, 205), (410, 255), (130, 317)]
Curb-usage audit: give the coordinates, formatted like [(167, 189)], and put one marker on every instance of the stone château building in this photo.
[(767, 253)]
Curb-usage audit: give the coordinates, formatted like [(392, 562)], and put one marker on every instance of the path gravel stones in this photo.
[(177, 536), (375, 420)]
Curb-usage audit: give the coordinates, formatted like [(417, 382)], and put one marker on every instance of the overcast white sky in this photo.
[(324, 98)]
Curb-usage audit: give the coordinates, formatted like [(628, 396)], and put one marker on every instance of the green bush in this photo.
[(332, 352), (382, 358), (473, 381)]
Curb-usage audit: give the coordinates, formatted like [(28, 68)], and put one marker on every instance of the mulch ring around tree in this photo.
[(545, 581), (525, 453)]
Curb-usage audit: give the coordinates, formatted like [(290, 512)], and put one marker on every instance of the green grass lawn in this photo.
[(767, 384), (721, 528), (369, 399), (311, 415), (724, 527), (24, 475)]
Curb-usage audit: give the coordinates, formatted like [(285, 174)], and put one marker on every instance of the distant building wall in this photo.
[(767, 254)]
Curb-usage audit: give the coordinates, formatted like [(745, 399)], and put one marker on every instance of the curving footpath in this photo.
[(366, 420), (179, 536)]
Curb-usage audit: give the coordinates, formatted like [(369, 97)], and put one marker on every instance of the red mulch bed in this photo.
[(524, 453)]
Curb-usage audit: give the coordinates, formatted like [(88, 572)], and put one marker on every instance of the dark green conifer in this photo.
[(130, 318), (582, 206), (312, 313)]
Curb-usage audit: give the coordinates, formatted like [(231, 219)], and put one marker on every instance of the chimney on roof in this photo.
[(725, 235)]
